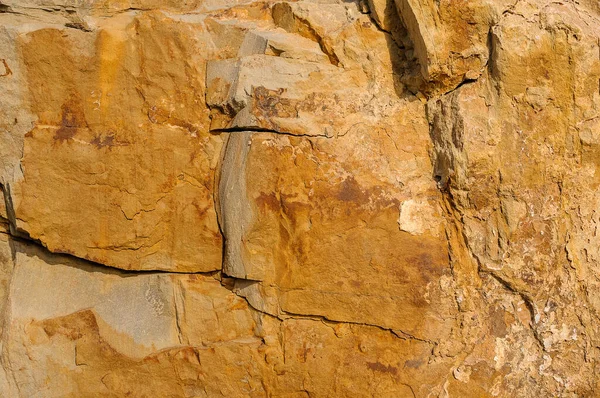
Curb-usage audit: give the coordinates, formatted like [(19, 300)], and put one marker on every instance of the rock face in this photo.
[(289, 199)]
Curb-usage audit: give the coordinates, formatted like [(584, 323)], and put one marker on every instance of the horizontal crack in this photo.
[(396, 332), (125, 272), (264, 130), (320, 318), (4, 9)]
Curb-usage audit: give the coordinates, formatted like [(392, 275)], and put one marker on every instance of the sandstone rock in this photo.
[(275, 223), (6, 268), (324, 225), (509, 153), (89, 331), (119, 166), (318, 353), (15, 119), (290, 199), (97, 332), (383, 13), (293, 93), (451, 40)]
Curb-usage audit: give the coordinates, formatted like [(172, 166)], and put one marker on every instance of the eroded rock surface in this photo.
[(289, 199)]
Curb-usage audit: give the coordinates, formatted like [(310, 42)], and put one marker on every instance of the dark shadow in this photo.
[(33, 249), (405, 66)]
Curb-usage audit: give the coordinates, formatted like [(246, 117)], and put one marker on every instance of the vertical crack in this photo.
[(179, 311)]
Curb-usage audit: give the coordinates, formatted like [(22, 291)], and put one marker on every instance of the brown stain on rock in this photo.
[(268, 201), (7, 71), (200, 210), (498, 325), (350, 191), (379, 367), (413, 363), (101, 142), (72, 119), (72, 326), (271, 104)]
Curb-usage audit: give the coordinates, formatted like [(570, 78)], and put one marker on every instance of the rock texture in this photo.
[(299, 198)]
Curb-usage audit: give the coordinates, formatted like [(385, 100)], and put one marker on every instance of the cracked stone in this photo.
[(290, 199)]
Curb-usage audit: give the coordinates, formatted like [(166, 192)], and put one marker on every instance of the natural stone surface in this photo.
[(290, 199), (119, 166), (325, 229), (95, 332)]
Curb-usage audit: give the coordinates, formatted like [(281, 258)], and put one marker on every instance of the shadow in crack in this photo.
[(405, 66)]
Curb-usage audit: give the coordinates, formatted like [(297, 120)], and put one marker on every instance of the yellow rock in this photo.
[(290, 199), (119, 168)]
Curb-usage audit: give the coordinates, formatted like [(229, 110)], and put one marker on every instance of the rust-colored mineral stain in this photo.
[(498, 323), (187, 354), (238, 305), (413, 363), (268, 201), (72, 118), (272, 104), (356, 284), (201, 211), (72, 326), (99, 142), (379, 367), (65, 133), (7, 71), (303, 353), (350, 191)]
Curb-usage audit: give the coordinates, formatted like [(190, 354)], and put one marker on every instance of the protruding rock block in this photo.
[(119, 167), (290, 96), (324, 229), (450, 39)]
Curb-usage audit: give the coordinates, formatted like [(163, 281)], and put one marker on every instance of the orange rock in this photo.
[(325, 199)]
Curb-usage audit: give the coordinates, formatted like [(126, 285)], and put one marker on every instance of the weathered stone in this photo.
[(451, 39), (90, 331), (119, 167), (325, 220), (508, 150), (290, 199)]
